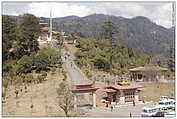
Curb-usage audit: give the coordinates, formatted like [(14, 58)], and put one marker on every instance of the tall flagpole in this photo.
[(51, 25)]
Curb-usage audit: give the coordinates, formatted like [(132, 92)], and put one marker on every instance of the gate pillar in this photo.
[(75, 101), (94, 99)]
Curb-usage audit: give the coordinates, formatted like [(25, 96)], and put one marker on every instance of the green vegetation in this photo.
[(19, 72), (22, 56), (107, 55), (8, 35), (96, 54), (19, 42), (19, 38), (108, 30), (40, 61)]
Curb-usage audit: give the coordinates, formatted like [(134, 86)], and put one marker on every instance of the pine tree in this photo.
[(108, 32), (8, 36), (29, 31)]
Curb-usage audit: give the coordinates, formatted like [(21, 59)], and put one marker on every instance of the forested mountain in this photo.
[(138, 32)]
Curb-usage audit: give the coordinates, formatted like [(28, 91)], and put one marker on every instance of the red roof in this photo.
[(110, 90), (83, 85), (84, 90), (124, 87)]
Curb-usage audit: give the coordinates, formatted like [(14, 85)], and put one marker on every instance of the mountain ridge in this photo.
[(138, 32)]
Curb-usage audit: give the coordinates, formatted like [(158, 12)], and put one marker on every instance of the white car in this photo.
[(171, 114), (163, 98), (167, 102), (150, 112)]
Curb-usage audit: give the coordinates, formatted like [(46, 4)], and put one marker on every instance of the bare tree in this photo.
[(65, 97)]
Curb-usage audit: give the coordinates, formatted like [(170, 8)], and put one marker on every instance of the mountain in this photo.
[(138, 32)]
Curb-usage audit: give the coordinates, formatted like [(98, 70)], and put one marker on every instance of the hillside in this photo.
[(138, 32)]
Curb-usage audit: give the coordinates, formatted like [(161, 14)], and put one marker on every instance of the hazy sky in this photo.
[(160, 13)]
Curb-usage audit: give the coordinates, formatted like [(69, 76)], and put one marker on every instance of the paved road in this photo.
[(75, 75), (122, 111)]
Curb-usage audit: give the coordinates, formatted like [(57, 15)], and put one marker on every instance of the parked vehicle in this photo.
[(159, 114), (165, 107), (157, 111), (150, 112), (163, 97), (167, 102), (171, 114)]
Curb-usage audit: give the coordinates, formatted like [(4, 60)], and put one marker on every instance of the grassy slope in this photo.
[(153, 91), (44, 99)]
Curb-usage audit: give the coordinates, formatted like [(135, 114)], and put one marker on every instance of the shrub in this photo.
[(5, 83), (88, 73), (7, 67), (81, 62), (101, 63), (53, 70), (64, 76), (79, 54), (46, 57), (29, 78), (168, 73), (39, 78), (41, 61), (3, 94), (25, 64), (44, 73)]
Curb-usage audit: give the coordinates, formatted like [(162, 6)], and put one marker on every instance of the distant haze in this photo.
[(158, 12)]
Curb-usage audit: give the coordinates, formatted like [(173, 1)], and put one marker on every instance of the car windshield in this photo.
[(166, 102), (146, 111), (161, 103), (153, 110), (149, 110)]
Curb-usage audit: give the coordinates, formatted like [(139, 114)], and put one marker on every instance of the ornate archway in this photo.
[(84, 88)]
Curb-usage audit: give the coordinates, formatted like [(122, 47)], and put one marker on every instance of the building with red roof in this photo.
[(123, 92)]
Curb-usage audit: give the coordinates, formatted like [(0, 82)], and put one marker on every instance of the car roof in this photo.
[(167, 100)]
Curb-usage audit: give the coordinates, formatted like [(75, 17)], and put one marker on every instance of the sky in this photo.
[(158, 12)]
